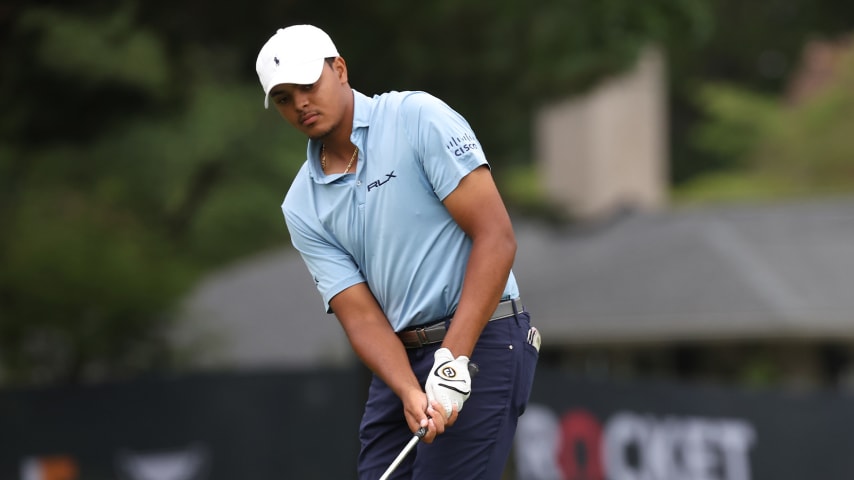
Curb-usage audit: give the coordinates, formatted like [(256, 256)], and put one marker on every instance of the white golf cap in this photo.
[(293, 55)]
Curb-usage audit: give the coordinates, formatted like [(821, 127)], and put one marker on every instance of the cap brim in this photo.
[(303, 73)]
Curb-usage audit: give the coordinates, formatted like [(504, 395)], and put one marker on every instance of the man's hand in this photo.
[(449, 382)]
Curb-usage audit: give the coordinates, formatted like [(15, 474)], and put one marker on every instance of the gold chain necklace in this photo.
[(323, 158)]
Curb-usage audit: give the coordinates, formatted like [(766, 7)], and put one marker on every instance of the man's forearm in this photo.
[(382, 352), (487, 272)]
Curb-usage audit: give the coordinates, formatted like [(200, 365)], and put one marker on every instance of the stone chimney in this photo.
[(606, 151), (818, 68)]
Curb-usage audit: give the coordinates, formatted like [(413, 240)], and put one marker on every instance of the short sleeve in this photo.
[(331, 267), (443, 140)]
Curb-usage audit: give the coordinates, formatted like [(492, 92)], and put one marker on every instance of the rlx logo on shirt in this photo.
[(380, 183)]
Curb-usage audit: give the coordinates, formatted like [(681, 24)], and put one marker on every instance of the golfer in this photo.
[(400, 224)]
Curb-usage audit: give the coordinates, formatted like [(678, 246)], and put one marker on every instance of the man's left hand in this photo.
[(449, 382)]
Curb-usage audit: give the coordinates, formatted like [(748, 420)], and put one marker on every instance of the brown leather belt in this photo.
[(416, 337)]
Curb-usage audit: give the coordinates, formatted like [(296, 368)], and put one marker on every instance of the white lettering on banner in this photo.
[(631, 446), (186, 464), (645, 448), (536, 442)]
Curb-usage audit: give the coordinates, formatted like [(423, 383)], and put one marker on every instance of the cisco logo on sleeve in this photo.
[(461, 145)]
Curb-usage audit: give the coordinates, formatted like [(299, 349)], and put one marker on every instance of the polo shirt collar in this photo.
[(362, 108)]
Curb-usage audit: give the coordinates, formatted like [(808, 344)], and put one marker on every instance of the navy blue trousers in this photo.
[(479, 443)]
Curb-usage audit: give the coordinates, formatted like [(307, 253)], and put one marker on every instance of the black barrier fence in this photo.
[(284, 425), (578, 429), (303, 425)]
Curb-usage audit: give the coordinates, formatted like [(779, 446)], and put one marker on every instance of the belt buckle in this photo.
[(421, 335)]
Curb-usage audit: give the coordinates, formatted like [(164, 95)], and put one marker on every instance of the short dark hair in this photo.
[(330, 60)]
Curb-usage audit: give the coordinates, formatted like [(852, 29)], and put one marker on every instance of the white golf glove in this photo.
[(449, 382)]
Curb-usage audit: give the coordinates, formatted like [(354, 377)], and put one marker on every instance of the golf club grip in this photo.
[(421, 432)]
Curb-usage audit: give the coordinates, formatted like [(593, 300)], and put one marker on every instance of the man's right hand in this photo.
[(421, 413)]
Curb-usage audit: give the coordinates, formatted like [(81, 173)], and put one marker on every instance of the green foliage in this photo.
[(213, 176), (739, 119), (813, 145), (97, 51), (69, 77), (755, 45), (105, 232), (135, 155), (775, 150), (86, 290), (521, 190), (570, 45), (732, 186), (500, 60)]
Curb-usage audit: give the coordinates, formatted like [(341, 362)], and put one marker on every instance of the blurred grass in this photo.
[(742, 187)]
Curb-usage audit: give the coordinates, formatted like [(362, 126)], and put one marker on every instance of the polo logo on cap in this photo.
[(276, 59)]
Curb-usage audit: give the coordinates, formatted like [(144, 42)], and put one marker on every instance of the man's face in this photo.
[(315, 109)]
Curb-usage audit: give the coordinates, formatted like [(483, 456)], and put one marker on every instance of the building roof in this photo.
[(765, 271), (760, 271), (263, 312)]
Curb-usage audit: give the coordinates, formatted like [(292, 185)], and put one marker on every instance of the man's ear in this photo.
[(339, 66)]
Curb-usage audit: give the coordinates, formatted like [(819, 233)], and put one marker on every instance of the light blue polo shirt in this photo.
[(386, 224)]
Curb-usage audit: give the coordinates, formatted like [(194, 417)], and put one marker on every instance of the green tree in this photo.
[(119, 189), (754, 45), (773, 149), (135, 155)]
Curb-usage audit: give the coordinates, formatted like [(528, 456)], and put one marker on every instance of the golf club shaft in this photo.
[(473, 370), (403, 453)]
